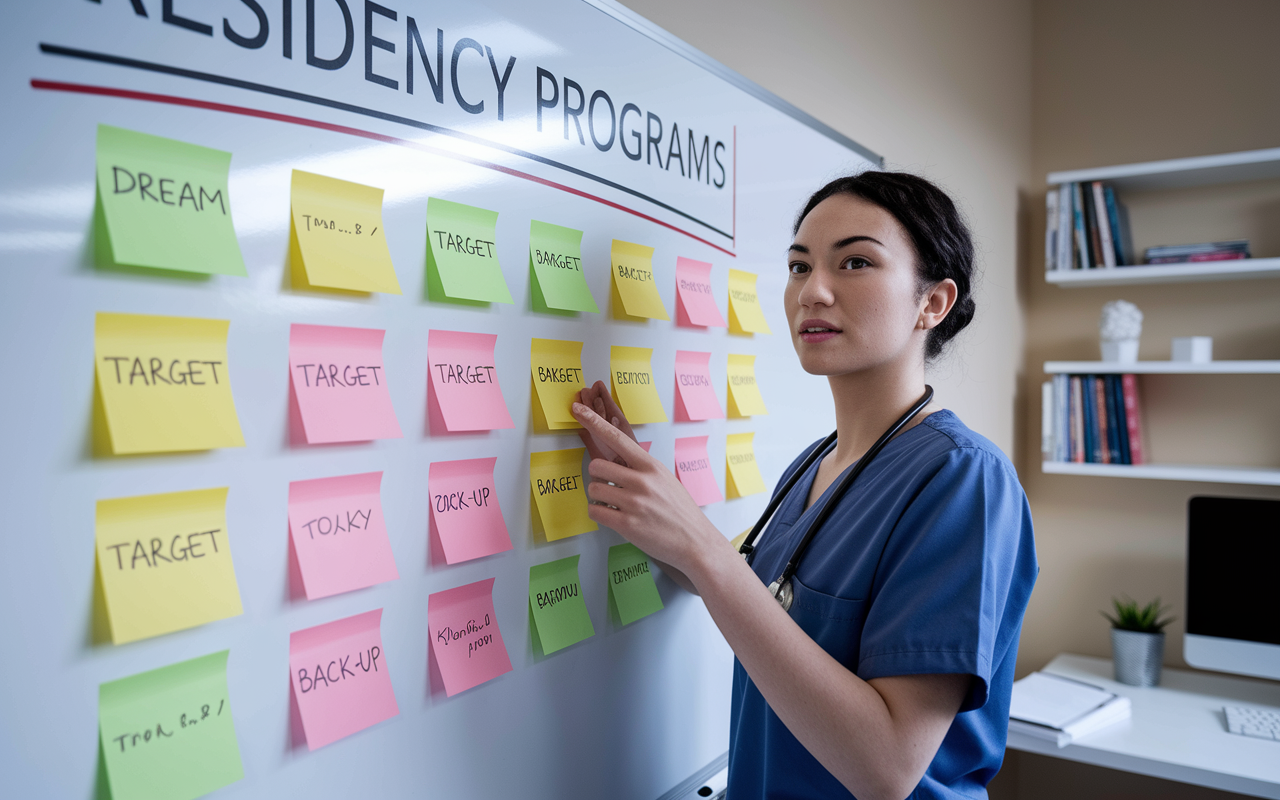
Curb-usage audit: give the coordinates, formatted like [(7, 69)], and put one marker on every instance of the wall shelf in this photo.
[(1176, 173), (1162, 368), (1253, 476), (1242, 269)]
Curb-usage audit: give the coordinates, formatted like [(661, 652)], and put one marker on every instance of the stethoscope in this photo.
[(781, 588)]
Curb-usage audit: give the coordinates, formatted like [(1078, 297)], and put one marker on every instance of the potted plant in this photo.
[(1137, 641)]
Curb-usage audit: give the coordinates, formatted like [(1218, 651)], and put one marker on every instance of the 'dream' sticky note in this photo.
[(462, 253), (693, 468), (555, 258), (560, 616), (745, 313), (695, 304), (742, 475), (744, 392), (463, 383), (634, 293), (631, 586), (465, 514), (164, 384), (339, 534), (559, 496), (167, 734), (164, 561), (463, 630), (338, 672), (632, 384), (695, 399), (337, 236), (337, 380), (164, 204), (556, 372)]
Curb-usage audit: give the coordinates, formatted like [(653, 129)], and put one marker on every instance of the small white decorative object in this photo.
[(1120, 328), (1195, 349)]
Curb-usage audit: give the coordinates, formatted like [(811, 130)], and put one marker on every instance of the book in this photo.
[(1091, 228), (1063, 710), (1199, 251), (1046, 419), (1108, 248), (1077, 221), (1062, 433), (1100, 414), (1117, 234), (1197, 257), (1113, 422), (1089, 398), (1051, 228), (1137, 454), (1064, 227), (1122, 425), (1077, 419)]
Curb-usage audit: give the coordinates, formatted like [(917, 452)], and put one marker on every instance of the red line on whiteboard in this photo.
[(129, 94)]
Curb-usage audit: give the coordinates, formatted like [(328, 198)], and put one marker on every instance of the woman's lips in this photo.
[(813, 331)]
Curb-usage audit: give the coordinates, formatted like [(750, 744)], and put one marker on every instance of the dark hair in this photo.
[(943, 244)]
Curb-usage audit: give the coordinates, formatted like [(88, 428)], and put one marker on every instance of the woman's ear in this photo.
[(936, 304)]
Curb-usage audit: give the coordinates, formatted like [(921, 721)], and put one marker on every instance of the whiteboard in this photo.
[(628, 713)]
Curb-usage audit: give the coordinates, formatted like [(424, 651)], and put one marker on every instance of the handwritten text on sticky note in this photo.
[(634, 389), (559, 493), (464, 635), (631, 585), (338, 234), (463, 382), (464, 509), (744, 393), (339, 534), (695, 398), (556, 370), (742, 473), (340, 385), (635, 293), (695, 304), (693, 468), (462, 253), (560, 616), (555, 256), (745, 313)]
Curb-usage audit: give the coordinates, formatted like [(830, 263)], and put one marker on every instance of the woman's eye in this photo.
[(797, 267), (855, 262)]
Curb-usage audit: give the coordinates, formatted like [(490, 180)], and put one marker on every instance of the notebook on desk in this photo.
[(1062, 710)]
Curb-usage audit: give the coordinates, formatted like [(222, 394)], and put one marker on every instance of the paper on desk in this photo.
[(633, 386), (464, 509), (745, 313), (693, 468), (338, 380), (463, 381), (560, 616), (555, 257), (462, 253), (695, 304), (556, 373), (559, 494), (463, 630), (1047, 699), (337, 234), (695, 399), (339, 534), (634, 293)]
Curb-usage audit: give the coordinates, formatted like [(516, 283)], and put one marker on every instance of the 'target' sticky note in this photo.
[(695, 305), (556, 371), (555, 257), (464, 509), (693, 468), (559, 496), (742, 474), (560, 616), (338, 381), (634, 389), (631, 586), (462, 253), (745, 314), (339, 534), (695, 398), (337, 235), (744, 392), (463, 383), (634, 294), (464, 636)]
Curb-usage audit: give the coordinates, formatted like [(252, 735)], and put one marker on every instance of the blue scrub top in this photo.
[(924, 566)]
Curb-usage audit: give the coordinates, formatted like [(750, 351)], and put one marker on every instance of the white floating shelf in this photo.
[(1240, 269), (1175, 173), (1163, 368), (1254, 476)]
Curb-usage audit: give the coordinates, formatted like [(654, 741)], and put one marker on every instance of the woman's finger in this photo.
[(602, 492), (609, 517), (609, 436), (601, 470)]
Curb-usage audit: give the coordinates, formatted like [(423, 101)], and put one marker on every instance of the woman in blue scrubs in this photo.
[(889, 675)]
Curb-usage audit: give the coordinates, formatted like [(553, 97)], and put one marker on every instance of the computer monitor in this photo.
[(1233, 586)]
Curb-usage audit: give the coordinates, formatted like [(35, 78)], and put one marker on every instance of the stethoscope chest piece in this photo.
[(781, 591)]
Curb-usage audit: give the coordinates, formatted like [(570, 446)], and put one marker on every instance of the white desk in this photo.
[(1177, 732)]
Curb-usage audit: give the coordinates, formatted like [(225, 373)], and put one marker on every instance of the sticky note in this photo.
[(339, 676), (462, 253), (555, 257), (634, 293), (560, 616), (165, 204), (339, 534), (745, 313), (338, 382), (167, 734), (165, 562), (464, 636), (695, 399), (337, 235), (164, 384), (556, 372), (631, 586), (742, 474), (632, 384), (463, 383), (744, 392), (693, 468), (465, 514), (559, 496), (695, 304)]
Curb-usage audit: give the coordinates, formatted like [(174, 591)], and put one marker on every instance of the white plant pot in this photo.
[(1125, 352)]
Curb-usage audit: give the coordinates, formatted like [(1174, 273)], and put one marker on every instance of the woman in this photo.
[(889, 675)]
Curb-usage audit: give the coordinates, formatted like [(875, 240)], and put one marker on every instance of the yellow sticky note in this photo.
[(634, 292), (164, 561), (555, 369), (164, 384), (742, 474), (745, 313), (744, 393), (337, 235), (632, 384), (559, 497)]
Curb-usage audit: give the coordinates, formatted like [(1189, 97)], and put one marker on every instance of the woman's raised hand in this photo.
[(597, 398)]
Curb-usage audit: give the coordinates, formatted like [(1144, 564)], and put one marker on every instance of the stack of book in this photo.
[(1086, 228), (1062, 710), (1092, 419), (1202, 251)]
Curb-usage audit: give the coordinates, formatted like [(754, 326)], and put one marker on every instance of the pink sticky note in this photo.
[(338, 381), (339, 535), (693, 467), (695, 304), (695, 397), (340, 679), (463, 391), (464, 636), (465, 514)]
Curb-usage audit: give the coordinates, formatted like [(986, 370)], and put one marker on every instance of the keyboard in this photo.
[(1256, 722)]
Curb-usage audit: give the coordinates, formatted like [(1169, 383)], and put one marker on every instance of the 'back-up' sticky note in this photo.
[(555, 256), (339, 676), (339, 534), (465, 514), (693, 468), (634, 293), (744, 392), (337, 379), (165, 562), (634, 389), (337, 235), (167, 734), (745, 313), (559, 496), (164, 383), (555, 368), (695, 397), (462, 253), (631, 585), (165, 204), (695, 304), (463, 383), (464, 636), (560, 616), (742, 474)]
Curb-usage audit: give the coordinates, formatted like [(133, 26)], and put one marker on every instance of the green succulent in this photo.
[(1130, 616)]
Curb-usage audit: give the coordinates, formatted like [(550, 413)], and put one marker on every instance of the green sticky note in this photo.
[(165, 204), (555, 256), (167, 734), (555, 600), (462, 253), (631, 585)]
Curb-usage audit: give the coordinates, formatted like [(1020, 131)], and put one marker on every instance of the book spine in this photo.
[(1051, 229), (1091, 229), (1077, 420), (1133, 418), (1113, 419), (1046, 420), (1104, 226), (1122, 419), (1126, 234), (1100, 414), (1065, 235), (1062, 390), (1113, 218), (1077, 221), (1090, 420)]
